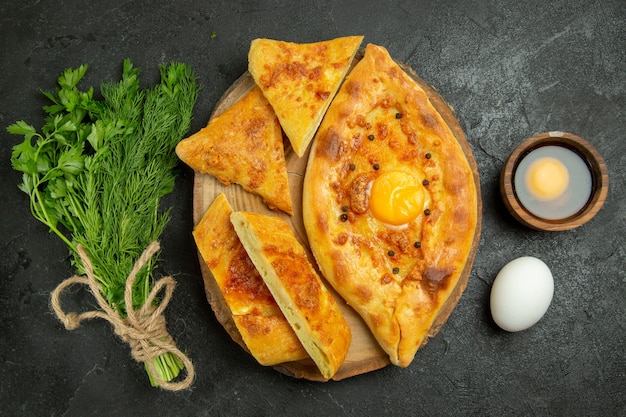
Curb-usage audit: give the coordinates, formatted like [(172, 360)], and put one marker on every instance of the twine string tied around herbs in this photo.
[(144, 329)]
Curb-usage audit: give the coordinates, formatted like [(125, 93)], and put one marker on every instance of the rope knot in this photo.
[(72, 321), (144, 329)]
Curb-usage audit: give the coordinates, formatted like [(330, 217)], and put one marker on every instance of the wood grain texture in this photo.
[(593, 159), (364, 354)]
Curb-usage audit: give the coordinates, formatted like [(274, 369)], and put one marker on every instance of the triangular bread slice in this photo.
[(264, 329), (307, 304), (300, 80), (243, 145)]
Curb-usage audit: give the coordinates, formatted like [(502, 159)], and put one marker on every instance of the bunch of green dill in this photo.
[(97, 169)]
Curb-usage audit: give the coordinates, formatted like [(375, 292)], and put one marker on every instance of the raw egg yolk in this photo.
[(396, 198), (547, 178)]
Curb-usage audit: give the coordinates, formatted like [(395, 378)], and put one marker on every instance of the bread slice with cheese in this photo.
[(263, 328), (243, 145), (300, 80), (307, 304)]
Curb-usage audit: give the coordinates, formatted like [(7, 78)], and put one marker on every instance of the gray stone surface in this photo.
[(510, 70)]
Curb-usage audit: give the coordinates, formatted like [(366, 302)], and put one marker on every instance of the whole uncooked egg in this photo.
[(521, 293)]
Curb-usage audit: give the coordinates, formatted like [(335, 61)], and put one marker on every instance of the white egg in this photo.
[(521, 293)]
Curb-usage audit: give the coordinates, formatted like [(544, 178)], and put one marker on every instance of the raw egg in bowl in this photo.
[(554, 181)]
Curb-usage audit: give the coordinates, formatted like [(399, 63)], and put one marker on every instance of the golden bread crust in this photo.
[(307, 304), (396, 278), (265, 332), (300, 80), (243, 145)]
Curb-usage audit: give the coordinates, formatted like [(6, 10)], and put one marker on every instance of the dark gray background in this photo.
[(510, 70)]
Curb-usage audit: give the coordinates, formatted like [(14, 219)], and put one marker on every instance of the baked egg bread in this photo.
[(243, 145), (389, 204), (300, 80), (263, 328), (303, 298)]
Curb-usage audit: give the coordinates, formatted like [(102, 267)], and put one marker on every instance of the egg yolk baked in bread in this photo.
[(389, 204), (396, 197)]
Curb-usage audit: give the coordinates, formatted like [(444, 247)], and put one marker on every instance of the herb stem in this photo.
[(42, 215)]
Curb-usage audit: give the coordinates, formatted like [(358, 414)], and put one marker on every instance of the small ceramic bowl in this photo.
[(593, 161)]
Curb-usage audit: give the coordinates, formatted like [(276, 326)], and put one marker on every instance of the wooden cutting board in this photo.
[(364, 354)]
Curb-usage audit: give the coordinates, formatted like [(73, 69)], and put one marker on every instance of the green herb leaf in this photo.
[(27, 184), (23, 157), (57, 188), (72, 160), (71, 77), (22, 128)]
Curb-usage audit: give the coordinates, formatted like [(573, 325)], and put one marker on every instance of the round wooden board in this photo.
[(365, 354)]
